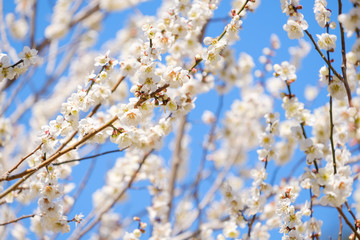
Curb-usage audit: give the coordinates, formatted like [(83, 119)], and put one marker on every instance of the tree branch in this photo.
[(17, 219), (89, 157)]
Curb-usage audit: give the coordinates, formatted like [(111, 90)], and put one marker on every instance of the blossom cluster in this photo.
[(10, 71)]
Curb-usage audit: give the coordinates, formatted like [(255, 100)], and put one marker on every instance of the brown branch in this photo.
[(21, 161), (311, 211), (343, 79), (331, 137), (343, 53), (322, 56), (251, 224), (340, 227), (59, 151), (302, 126), (238, 13), (89, 157), (14, 186), (27, 173), (17, 219), (349, 210), (151, 95), (348, 222)]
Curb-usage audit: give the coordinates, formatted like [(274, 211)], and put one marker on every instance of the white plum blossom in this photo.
[(175, 76), (230, 230), (286, 71), (18, 28), (131, 117), (208, 117), (336, 88), (324, 74), (6, 71), (102, 60), (59, 126), (295, 27), (60, 20), (29, 56), (322, 14), (99, 93), (312, 150), (311, 92), (351, 20), (327, 41), (212, 55), (289, 6), (293, 108), (129, 66)]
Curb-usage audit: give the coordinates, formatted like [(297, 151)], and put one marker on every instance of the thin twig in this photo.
[(7, 178), (331, 115), (251, 224), (348, 222), (302, 126), (17, 219), (238, 13), (311, 211), (349, 210), (343, 53), (322, 55), (89, 157), (197, 61), (32, 99), (343, 79), (21, 161), (332, 134), (340, 227), (151, 95)]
